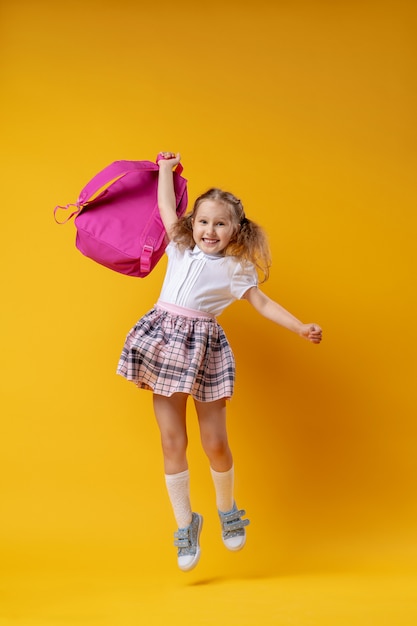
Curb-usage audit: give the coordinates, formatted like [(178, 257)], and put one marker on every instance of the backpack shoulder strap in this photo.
[(104, 178), (112, 172)]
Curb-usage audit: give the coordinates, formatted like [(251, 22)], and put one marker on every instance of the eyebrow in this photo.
[(222, 218)]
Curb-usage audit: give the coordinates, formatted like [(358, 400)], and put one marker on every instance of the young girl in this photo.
[(178, 348)]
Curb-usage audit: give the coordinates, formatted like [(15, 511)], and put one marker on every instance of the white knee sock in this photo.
[(178, 486), (224, 485)]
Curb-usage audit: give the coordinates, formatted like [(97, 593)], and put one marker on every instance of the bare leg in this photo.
[(212, 422), (170, 414)]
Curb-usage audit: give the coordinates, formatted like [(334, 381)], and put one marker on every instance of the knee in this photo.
[(174, 444), (216, 447)]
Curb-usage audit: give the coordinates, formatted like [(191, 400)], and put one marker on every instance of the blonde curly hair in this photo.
[(249, 243)]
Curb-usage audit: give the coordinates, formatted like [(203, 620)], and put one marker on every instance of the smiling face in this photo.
[(213, 226)]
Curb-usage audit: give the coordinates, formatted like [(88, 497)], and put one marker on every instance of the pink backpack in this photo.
[(117, 217)]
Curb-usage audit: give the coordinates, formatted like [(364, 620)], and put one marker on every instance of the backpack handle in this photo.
[(105, 178)]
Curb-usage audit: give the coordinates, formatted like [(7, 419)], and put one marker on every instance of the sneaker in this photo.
[(187, 542), (233, 528)]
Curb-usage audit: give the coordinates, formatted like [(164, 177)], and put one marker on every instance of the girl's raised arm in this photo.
[(166, 194)]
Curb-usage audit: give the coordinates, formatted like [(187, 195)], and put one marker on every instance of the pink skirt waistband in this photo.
[(181, 310)]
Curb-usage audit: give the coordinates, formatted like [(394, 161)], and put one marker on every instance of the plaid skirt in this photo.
[(172, 350)]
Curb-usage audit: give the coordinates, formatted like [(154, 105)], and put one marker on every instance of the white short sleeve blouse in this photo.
[(205, 282)]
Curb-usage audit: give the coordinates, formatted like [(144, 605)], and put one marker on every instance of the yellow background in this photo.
[(306, 110)]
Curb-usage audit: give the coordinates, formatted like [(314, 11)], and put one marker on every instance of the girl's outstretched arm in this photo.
[(166, 195), (276, 313)]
